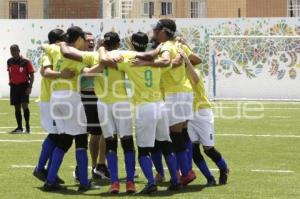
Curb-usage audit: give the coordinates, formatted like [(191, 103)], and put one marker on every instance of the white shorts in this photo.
[(47, 122), (151, 123), (67, 110), (115, 119), (180, 107), (201, 127)]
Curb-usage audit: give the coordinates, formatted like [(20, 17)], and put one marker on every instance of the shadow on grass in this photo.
[(159, 193)]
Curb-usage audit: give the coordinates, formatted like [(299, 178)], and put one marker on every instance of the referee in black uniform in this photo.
[(21, 77)]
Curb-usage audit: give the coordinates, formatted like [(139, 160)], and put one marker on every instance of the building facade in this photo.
[(21, 9), (53, 9)]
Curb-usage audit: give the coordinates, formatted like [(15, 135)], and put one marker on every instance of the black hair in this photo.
[(73, 33), (111, 39), (14, 46), (168, 25), (139, 41), (56, 35)]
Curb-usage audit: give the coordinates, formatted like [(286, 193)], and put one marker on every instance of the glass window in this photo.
[(18, 9)]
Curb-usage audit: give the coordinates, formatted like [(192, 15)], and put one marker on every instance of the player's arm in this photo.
[(92, 70), (190, 68), (47, 72), (195, 59), (103, 61), (164, 61), (150, 55), (70, 52), (109, 59), (177, 61)]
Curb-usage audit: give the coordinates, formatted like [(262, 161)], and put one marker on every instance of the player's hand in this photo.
[(181, 40), (182, 53), (67, 74), (118, 58), (28, 91), (137, 62)]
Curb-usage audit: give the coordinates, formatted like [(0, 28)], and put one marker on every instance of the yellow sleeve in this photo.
[(45, 61), (165, 47), (90, 58), (187, 50)]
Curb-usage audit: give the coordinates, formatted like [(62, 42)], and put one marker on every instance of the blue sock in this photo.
[(82, 162), (189, 151), (172, 166), (112, 163), (157, 161), (146, 165), (57, 158), (204, 169), (46, 152), (130, 165), (177, 164), (222, 165), (183, 162)]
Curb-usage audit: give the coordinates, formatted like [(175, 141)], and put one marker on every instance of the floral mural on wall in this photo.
[(233, 56)]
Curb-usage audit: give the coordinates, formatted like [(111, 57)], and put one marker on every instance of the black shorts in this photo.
[(18, 94), (89, 100)]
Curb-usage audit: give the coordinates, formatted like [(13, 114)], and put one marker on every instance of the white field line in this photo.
[(256, 108), (13, 127), (213, 169), (222, 135), (32, 133), (20, 141), (280, 117), (266, 135), (272, 171)]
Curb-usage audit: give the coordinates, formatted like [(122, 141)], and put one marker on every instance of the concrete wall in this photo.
[(266, 8)]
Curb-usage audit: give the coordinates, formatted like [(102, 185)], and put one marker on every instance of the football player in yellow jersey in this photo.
[(151, 121), (47, 122), (67, 110), (201, 128), (177, 91), (89, 99), (114, 114)]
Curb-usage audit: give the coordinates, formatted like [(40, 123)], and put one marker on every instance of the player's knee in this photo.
[(54, 138), (213, 153), (197, 156), (81, 141), (177, 142), (144, 151), (111, 145), (166, 147), (156, 147), (127, 144), (65, 142)]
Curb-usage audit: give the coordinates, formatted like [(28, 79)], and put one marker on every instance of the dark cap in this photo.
[(167, 25), (140, 40), (74, 32), (111, 38)]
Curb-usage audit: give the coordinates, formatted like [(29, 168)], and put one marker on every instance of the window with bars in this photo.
[(148, 8), (126, 6), (17, 9), (198, 8), (294, 8), (166, 8)]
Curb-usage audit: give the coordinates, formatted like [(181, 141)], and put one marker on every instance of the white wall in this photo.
[(28, 34)]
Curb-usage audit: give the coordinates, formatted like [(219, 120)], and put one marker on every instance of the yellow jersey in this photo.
[(201, 100), (144, 80), (64, 63), (45, 93), (174, 80), (91, 59)]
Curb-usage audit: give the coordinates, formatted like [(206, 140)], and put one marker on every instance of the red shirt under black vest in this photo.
[(19, 70)]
